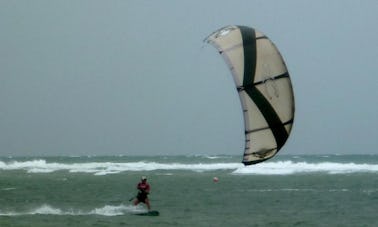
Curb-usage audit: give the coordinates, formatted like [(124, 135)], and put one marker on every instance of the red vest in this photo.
[(143, 186)]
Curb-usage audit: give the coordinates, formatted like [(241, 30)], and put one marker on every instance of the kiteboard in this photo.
[(149, 213)]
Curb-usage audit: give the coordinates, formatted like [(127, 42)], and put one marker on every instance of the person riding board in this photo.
[(143, 190)]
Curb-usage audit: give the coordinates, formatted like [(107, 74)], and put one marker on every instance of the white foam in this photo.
[(8, 189), (46, 209), (289, 167), (265, 168), (117, 210), (104, 168), (106, 210)]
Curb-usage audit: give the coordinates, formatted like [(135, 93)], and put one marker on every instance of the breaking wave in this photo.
[(290, 167), (107, 210), (103, 168), (267, 168)]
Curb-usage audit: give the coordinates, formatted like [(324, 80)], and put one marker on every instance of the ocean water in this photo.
[(327, 190)]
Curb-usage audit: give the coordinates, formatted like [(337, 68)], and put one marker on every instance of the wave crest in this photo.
[(266, 168), (106, 210), (289, 167)]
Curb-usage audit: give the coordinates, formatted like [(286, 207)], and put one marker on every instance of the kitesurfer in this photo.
[(143, 190)]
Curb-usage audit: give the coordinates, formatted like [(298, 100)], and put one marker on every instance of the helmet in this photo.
[(144, 178)]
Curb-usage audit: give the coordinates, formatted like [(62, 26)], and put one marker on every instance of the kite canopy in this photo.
[(264, 88)]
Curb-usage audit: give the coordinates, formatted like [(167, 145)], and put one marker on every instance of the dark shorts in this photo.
[(142, 197)]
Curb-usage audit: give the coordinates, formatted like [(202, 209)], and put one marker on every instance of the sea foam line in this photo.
[(265, 168), (289, 167), (103, 168), (106, 210)]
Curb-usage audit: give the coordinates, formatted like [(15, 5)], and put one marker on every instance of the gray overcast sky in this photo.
[(134, 77)]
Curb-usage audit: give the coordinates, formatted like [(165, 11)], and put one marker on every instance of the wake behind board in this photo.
[(149, 213)]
